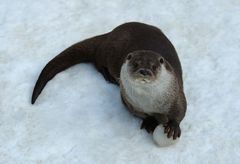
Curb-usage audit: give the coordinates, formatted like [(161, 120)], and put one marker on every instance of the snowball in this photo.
[(160, 138)]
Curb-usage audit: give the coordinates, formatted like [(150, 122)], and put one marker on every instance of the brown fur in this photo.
[(108, 52)]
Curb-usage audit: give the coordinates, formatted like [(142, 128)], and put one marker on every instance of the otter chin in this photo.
[(143, 79)]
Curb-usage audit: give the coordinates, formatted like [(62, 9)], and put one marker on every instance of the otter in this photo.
[(142, 61)]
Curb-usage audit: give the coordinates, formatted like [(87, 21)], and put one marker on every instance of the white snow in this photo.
[(79, 118), (161, 139)]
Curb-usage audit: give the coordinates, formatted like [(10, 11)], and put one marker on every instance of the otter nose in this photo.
[(145, 72)]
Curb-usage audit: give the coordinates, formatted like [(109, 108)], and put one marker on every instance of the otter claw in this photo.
[(172, 129), (149, 123)]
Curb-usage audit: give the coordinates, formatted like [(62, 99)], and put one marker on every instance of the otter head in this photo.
[(144, 66)]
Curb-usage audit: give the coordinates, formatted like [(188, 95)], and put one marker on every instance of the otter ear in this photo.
[(129, 56), (161, 60)]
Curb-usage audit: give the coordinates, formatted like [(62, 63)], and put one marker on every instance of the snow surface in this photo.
[(161, 139), (79, 118)]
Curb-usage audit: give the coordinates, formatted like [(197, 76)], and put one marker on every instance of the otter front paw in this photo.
[(149, 123), (172, 129)]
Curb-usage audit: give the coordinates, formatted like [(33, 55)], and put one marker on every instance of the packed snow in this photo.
[(79, 117)]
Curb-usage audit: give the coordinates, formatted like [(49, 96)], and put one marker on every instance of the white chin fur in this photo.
[(142, 81), (149, 96), (160, 138)]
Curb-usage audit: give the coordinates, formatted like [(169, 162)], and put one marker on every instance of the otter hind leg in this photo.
[(149, 124), (153, 120), (107, 76)]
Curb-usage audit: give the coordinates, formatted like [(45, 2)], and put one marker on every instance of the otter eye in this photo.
[(129, 57), (161, 60)]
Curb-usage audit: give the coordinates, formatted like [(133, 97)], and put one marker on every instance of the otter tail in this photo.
[(78, 53)]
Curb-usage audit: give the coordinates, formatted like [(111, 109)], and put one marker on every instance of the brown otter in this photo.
[(140, 59)]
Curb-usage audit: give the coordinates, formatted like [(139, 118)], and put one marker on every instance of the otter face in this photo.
[(144, 66)]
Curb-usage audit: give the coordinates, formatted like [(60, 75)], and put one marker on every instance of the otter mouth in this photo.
[(143, 80)]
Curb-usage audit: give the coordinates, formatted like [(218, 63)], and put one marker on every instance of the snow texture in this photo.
[(79, 117), (161, 139)]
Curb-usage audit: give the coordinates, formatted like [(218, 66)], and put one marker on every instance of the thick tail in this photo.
[(78, 53)]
